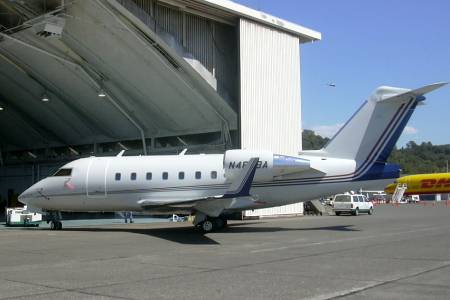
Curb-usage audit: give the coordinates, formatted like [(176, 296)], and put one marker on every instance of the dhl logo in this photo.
[(434, 183)]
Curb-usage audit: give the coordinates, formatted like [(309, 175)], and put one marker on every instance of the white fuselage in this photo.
[(355, 158), (120, 183)]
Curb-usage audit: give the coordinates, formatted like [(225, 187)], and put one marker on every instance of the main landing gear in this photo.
[(54, 218), (210, 224)]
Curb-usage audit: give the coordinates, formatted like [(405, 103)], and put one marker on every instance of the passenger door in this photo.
[(96, 177)]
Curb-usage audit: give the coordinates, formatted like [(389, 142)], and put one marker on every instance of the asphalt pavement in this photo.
[(398, 253)]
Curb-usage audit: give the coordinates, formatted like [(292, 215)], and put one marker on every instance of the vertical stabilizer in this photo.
[(372, 132)]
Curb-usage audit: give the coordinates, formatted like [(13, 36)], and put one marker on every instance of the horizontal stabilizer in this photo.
[(428, 88), (386, 93)]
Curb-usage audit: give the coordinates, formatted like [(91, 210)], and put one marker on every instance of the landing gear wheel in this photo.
[(55, 225), (207, 226)]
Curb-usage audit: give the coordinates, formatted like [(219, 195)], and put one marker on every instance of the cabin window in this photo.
[(165, 175), (198, 175), (181, 175), (149, 176), (133, 176), (118, 175), (63, 172), (214, 174)]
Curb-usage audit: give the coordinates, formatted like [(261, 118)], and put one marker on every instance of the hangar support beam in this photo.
[(84, 67), (116, 104), (49, 86)]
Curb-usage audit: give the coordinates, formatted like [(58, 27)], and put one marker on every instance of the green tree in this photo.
[(423, 158), (311, 141)]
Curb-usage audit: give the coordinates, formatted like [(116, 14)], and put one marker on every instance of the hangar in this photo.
[(81, 78)]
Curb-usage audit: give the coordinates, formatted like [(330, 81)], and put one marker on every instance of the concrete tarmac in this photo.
[(398, 253)]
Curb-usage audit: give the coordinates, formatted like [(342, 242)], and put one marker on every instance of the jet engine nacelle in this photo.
[(235, 160), (270, 165)]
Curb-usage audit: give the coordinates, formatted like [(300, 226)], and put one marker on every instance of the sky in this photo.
[(366, 44)]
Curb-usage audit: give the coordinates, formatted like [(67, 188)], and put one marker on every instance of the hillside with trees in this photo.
[(423, 158), (414, 158), (312, 141)]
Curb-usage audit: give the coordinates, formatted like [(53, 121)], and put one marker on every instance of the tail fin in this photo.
[(372, 132)]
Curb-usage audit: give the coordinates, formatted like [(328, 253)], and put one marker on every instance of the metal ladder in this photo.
[(398, 193)]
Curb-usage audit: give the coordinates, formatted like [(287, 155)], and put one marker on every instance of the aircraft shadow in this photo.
[(190, 236), (181, 235), (237, 228)]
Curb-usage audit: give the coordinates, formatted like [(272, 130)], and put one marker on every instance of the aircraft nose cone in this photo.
[(28, 196)]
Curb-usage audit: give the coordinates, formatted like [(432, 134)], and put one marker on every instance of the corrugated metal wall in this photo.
[(270, 89), (171, 20), (226, 62), (199, 40), (212, 43), (147, 5)]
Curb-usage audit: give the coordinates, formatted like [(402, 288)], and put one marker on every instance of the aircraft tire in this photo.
[(207, 226)]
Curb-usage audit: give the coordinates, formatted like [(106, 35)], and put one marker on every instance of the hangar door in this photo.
[(96, 177), (270, 89)]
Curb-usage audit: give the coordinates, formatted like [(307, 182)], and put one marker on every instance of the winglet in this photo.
[(242, 184)]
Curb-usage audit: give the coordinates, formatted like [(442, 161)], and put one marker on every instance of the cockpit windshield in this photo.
[(63, 172)]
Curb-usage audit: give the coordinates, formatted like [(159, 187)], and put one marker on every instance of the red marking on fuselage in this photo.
[(443, 182), (428, 183), (434, 183)]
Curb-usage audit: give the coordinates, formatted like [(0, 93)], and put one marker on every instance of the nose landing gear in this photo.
[(54, 218), (55, 225)]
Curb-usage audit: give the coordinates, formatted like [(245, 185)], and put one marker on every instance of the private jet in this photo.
[(209, 186)]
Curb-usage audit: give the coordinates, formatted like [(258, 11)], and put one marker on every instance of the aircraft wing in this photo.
[(237, 195)]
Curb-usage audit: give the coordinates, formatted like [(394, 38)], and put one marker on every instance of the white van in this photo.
[(352, 203)]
